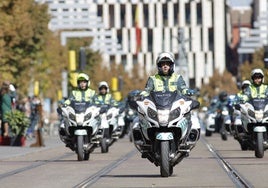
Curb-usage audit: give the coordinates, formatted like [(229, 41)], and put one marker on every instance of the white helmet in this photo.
[(257, 72), (246, 82), (104, 84), (164, 57)]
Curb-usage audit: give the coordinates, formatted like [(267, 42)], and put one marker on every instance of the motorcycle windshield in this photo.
[(259, 103), (79, 107), (163, 100)]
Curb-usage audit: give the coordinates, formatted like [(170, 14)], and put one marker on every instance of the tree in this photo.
[(26, 46), (217, 83), (257, 62)]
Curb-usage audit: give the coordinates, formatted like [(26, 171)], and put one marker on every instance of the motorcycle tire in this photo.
[(208, 133), (259, 148), (170, 170), (164, 165), (86, 156), (80, 150), (104, 146), (224, 136)]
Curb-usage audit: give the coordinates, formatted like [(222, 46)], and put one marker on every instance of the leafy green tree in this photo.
[(26, 46), (257, 62), (217, 83)]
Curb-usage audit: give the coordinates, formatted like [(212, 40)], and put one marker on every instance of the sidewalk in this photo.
[(14, 151)]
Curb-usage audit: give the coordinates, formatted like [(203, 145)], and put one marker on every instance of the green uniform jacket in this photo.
[(105, 99), (81, 95), (256, 91), (171, 83)]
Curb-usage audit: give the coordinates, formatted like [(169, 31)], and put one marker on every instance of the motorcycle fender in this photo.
[(164, 136), (80, 132), (259, 129)]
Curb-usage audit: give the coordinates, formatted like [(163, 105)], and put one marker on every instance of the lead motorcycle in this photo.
[(254, 116), (81, 127), (163, 134)]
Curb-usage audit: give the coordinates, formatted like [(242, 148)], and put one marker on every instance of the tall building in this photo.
[(136, 31)]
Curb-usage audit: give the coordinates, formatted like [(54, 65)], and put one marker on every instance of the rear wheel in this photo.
[(164, 166)]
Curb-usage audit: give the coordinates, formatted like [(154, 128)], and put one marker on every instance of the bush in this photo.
[(18, 122)]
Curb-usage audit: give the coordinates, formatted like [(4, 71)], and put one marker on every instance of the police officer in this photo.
[(166, 79), (241, 94), (82, 92), (257, 89), (104, 97)]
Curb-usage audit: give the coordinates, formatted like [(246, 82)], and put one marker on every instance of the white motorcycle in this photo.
[(254, 116), (164, 136), (109, 126), (80, 128)]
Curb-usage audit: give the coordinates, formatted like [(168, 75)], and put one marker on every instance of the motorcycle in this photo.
[(209, 123), (129, 118), (220, 122), (254, 116), (164, 136), (80, 128), (109, 126)]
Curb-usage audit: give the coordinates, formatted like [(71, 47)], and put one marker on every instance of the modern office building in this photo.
[(136, 31)]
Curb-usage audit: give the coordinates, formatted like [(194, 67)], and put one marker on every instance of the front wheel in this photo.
[(164, 166), (80, 149), (104, 145), (259, 149)]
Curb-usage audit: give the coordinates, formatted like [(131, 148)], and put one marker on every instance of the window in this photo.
[(150, 40), (123, 15), (187, 13), (165, 14), (176, 14), (211, 39), (146, 15), (199, 13)]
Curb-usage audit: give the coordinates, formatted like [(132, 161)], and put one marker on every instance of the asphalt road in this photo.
[(212, 163)]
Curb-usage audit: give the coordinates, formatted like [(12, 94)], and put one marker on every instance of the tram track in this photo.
[(34, 165), (88, 182), (233, 174)]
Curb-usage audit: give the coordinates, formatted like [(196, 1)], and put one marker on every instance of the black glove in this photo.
[(139, 98), (190, 92)]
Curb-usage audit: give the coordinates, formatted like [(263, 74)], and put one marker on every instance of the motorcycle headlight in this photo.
[(259, 115), (72, 116), (130, 112), (174, 114), (88, 116), (251, 113), (163, 116), (152, 114), (224, 112)]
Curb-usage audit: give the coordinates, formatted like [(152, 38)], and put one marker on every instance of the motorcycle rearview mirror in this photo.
[(59, 110)]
